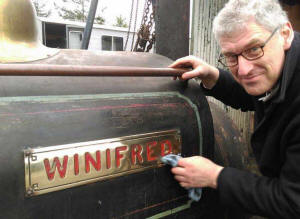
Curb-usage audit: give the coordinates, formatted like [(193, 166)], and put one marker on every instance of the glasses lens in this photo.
[(253, 53), (228, 61)]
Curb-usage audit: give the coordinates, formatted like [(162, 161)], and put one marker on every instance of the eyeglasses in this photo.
[(249, 54)]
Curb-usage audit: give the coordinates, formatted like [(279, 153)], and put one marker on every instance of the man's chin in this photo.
[(253, 91)]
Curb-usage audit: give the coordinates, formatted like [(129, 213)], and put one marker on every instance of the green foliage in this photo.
[(73, 15), (120, 21), (79, 13), (99, 20), (40, 9)]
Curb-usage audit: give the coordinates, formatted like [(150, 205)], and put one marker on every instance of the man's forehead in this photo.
[(243, 38)]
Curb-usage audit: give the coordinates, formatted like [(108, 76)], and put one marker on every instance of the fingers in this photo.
[(191, 74), (183, 181), (185, 162), (182, 62), (180, 179), (184, 185), (178, 171), (194, 63), (179, 77), (188, 75)]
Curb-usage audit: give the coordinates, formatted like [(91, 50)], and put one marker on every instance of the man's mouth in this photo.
[(250, 78)]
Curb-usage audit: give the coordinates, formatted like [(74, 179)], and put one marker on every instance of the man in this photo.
[(262, 52)]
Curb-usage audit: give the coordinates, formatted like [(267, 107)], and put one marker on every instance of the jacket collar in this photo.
[(289, 68)]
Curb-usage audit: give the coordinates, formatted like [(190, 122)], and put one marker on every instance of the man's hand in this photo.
[(197, 171), (207, 73)]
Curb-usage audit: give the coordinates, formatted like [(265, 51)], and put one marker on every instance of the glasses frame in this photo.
[(221, 56)]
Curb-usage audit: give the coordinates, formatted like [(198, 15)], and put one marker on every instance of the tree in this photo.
[(73, 15), (40, 9), (99, 20), (121, 21), (78, 12)]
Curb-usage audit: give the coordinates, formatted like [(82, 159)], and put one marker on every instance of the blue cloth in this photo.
[(172, 159)]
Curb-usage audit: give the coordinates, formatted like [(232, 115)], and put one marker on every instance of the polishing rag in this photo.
[(172, 159)]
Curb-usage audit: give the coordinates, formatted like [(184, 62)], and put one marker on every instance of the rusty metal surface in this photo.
[(230, 148), (55, 85), (106, 58)]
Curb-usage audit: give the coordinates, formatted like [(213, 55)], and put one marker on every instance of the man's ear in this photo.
[(288, 35)]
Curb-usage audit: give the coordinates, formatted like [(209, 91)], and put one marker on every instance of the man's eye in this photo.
[(253, 52), (254, 49), (230, 58)]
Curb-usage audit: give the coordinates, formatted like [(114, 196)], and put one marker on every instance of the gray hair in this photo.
[(236, 13)]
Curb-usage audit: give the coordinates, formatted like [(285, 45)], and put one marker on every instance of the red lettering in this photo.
[(108, 160), (56, 164), (89, 159), (76, 164), (163, 147), (150, 151), (136, 151), (118, 155)]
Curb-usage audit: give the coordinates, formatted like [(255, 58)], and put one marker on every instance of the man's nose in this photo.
[(244, 66)]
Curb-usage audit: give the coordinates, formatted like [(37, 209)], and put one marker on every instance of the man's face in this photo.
[(260, 75)]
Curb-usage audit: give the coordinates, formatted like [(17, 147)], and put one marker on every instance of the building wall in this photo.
[(96, 35), (39, 24)]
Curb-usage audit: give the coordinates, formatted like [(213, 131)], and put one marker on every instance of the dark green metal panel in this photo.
[(45, 111)]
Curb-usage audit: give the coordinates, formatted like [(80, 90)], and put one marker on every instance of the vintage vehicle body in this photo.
[(90, 147), (39, 111)]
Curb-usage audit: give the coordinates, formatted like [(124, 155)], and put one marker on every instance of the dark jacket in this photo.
[(275, 142)]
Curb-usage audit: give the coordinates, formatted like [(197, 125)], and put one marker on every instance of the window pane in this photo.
[(118, 44), (106, 43)]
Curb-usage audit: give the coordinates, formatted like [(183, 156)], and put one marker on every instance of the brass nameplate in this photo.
[(59, 167)]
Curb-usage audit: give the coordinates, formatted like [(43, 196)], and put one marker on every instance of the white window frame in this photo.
[(112, 42)]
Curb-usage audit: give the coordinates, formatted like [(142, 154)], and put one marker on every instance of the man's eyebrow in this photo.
[(251, 43)]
